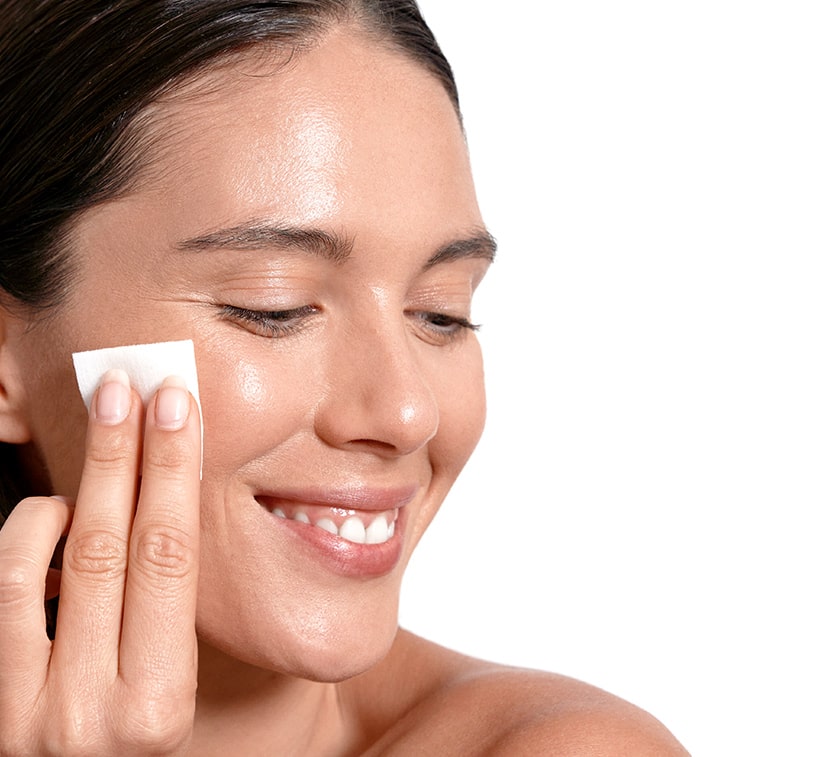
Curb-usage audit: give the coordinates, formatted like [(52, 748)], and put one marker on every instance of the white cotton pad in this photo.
[(147, 365)]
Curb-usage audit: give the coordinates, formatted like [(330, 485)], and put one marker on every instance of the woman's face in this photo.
[(314, 230)]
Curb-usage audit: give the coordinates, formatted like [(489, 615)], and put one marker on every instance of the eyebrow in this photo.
[(325, 244), (480, 245), (260, 236)]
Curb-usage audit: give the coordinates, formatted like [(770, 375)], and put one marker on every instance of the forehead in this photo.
[(340, 131)]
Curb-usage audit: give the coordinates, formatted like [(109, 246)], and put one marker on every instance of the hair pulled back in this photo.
[(75, 74)]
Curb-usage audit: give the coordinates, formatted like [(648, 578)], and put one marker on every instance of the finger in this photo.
[(27, 541), (94, 561), (158, 646)]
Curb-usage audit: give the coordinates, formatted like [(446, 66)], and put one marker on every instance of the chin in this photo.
[(326, 644), (337, 662)]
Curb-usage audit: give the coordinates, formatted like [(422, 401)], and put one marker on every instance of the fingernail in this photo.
[(113, 398), (172, 404)]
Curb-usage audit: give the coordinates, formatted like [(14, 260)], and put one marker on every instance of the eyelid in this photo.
[(453, 319), (270, 323), (452, 330), (275, 313)]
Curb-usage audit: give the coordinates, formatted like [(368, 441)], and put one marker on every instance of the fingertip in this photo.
[(172, 404), (113, 398), (177, 381)]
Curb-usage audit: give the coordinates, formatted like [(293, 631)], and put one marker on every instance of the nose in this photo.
[(378, 394)]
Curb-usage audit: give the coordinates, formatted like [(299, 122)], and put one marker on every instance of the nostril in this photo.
[(375, 444)]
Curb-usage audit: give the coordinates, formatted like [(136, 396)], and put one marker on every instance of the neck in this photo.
[(242, 709)]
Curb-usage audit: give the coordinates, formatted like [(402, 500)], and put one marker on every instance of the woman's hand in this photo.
[(120, 676)]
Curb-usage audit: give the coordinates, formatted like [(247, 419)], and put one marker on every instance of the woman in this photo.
[(286, 184)]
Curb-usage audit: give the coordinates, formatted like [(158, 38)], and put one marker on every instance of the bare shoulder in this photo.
[(463, 706), (545, 714)]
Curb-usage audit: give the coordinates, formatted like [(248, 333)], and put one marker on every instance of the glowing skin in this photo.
[(363, 401), (335, 191)]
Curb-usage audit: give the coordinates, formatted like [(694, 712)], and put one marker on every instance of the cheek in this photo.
[(462, 410), (255, 400), (237, 396), (253, 391), (57, 417), (459, 388)]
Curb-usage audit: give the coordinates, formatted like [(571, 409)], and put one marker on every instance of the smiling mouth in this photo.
[(355, 526)]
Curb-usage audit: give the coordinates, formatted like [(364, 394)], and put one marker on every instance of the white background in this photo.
[(638, 514)]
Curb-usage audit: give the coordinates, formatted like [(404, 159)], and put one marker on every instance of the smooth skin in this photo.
[(347, 371)]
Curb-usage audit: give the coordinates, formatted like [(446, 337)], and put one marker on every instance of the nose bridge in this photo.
[(378, 392)]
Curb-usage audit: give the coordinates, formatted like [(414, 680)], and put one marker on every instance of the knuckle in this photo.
[(165, 551), (113, 452), (71, 730), (157, 727), (173, 456), (96, 553), (18, 582)]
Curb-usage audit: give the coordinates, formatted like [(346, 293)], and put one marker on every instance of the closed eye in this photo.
[(442, 326), (270, 323)]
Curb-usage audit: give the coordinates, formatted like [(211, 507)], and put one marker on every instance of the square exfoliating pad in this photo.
[(147, 365)]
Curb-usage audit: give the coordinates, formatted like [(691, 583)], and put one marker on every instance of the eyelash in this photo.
[(448, 327), (271, 323), (279, 323)]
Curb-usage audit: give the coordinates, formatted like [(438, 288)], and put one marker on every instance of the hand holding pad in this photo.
[(147, 365)]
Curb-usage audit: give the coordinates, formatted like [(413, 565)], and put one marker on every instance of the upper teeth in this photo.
[(352, 528)]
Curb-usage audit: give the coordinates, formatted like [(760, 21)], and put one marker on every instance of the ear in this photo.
[(15, 427)]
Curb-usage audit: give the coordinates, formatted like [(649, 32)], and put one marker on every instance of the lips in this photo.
[(358, 525)]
